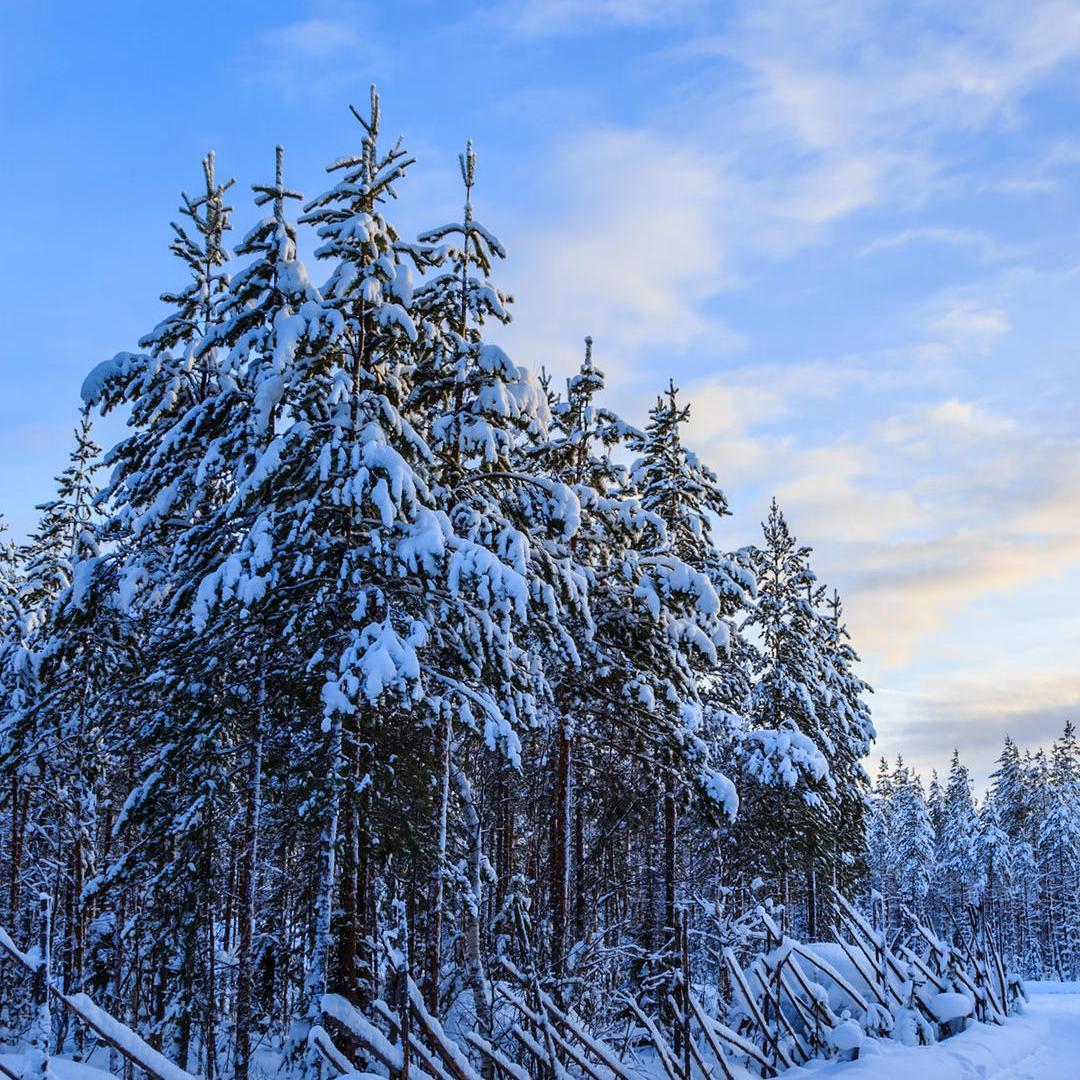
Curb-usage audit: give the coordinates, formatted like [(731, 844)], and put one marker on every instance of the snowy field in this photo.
[(1042, 1044)]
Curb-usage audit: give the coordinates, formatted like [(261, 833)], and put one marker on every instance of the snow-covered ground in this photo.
[(61, 1068), (1042, 1044)]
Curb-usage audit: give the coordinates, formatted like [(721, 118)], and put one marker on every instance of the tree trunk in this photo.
[(20, 809), (560, 850), (366, 916), (318, 973), (246, 872), (210, 1002), (433, 973), (187, 971), (579, 868), (670, 824), (504, 849), (473, 906), (344, 975), (404, 975), (41, 1025)]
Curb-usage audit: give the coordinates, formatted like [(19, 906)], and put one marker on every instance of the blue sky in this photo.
[(849, 229)]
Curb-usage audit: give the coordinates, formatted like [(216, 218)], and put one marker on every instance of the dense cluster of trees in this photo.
[(364, 632), (1016, 855)]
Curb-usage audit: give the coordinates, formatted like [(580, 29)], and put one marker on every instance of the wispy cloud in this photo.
[(318, 58), (1048, 172), (940, 235), (973, 710), (634, 258), (841, 110), (919, 513), (971, 325)]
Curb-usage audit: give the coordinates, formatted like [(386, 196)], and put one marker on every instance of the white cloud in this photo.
[(840, 109), (971, 326), (318, 58), (635, 255), (860, 105), (974, 708), (841, 72), (1046, 173), (924, 428), (918, 514)]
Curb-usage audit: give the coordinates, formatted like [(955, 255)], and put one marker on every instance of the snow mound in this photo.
[(59, 1068), (845, 1036), (947, 1006)]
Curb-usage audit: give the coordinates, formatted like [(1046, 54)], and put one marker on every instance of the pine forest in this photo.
[(377, 706)]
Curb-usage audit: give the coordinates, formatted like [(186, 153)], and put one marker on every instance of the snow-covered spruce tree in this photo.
[(47, 745), (63, 733), (1058, 854), (911, 854), (402, 592), (1011, 791), (848, 734), (270, 306), (809, 729), (935, 807), (466, 393), (879, 835), (935, 810), (577, 451), (63, 537), (351, 531), (481, 415), (1010, 785), (165, 385), (168, 475), (959, 880), (994, 856), (1038, 933), (15, 800), (169, 482), (691, 592), (785, 769)]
